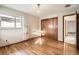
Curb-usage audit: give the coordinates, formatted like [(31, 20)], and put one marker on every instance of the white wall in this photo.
[(34, 24), (17, 35), (60, 20)]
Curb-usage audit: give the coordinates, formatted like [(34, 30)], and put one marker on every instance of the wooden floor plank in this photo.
[(39, 46)]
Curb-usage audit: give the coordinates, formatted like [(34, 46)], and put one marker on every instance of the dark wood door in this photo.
[(77, 31), (50, 27)]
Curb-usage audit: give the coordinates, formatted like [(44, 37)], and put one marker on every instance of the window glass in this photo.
[(7, 22), (18, 22)]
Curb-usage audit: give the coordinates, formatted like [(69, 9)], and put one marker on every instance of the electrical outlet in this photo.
[(6, 40)]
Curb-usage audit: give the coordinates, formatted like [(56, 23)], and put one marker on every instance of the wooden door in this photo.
[(50, 27), (77, 32)]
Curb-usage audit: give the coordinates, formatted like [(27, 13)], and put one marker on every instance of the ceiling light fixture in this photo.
[(38, 5), (68, 5), (38, 8)]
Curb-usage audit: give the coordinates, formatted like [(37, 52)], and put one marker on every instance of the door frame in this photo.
[(63, 24)]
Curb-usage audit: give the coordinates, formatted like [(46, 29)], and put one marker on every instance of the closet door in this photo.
[(50, 26)]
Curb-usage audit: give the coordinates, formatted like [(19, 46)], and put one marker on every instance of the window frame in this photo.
[(14, 22)]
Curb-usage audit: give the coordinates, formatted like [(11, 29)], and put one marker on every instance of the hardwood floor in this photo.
[(39, 46)]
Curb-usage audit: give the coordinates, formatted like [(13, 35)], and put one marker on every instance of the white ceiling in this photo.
[(45, 9)]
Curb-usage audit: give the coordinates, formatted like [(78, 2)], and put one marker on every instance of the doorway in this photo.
[(69, 29)]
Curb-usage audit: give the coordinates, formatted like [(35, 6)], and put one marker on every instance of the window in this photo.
[(7, 22), (10, 22)]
